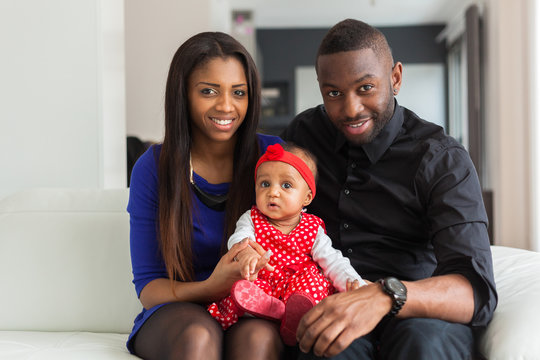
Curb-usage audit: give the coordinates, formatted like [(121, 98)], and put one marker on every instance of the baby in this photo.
[(284, 185)]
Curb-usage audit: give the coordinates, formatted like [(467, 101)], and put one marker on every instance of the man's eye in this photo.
[(286, 186), (366, 87)]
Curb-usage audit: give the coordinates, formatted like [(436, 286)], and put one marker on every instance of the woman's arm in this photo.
[(217, 286)]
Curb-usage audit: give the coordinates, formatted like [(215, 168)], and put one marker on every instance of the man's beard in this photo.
[(379, 122)]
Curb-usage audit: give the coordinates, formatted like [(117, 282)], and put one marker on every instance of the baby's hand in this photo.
[(352, 285), (247, 259)]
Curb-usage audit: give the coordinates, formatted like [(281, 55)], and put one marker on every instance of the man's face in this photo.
[(358, 92)]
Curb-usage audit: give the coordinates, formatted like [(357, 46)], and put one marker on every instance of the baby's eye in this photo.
[(265, 184), (286, 186)]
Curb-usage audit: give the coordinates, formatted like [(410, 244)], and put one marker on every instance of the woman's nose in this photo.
[(225, 103)]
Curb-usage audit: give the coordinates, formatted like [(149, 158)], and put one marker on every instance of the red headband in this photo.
[(276, 153)]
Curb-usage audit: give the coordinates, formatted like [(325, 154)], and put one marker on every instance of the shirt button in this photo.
[(349, 251), (345, 226), (353, 165), (347, 191)]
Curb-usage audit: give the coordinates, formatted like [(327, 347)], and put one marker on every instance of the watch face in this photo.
[(396, 286)]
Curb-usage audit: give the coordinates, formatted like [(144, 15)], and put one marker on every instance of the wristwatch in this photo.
[(397, 291)]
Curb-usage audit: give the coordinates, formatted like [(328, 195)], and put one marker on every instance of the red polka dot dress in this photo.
[(294, 269)]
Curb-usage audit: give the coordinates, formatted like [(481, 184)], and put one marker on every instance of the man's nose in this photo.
[(352, 106)]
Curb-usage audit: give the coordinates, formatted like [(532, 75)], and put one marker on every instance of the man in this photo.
[(402, 200)]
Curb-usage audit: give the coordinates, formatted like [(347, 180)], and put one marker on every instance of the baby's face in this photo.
[(281, 192)]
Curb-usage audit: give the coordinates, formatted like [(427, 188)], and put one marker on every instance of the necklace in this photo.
[(214, 202)]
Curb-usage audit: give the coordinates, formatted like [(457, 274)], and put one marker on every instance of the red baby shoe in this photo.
[(297, 305), (252, 300)]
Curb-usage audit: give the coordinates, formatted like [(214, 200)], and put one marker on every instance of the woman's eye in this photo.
[(265, 184), (240, 93), (333, 93), (208, 91), (286, 186)]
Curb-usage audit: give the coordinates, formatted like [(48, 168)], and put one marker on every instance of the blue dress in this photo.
[(146, 259)]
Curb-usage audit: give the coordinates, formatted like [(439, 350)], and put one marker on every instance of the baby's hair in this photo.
[(304, 154)]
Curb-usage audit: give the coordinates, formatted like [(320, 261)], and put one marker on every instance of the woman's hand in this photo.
[(227, 271), (216, 287)]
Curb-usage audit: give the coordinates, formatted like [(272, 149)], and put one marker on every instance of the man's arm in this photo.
[(338, 320)]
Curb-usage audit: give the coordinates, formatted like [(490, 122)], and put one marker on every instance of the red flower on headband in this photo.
[(274, 152)]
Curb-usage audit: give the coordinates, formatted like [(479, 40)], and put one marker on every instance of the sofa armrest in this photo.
[(513, 332), (64, 261)]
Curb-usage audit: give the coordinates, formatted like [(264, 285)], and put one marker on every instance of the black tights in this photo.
[(184, 330)]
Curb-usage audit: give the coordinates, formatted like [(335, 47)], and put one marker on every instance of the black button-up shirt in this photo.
[(408, 204)]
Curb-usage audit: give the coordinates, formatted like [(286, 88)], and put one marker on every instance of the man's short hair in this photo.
[(350, 35)]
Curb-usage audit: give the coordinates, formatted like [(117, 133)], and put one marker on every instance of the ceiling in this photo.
[(325, 13)]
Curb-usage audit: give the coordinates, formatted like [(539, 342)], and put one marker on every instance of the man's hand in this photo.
[(333, 324)]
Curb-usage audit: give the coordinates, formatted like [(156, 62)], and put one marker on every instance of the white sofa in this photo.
[(65, 275), (66, 291)]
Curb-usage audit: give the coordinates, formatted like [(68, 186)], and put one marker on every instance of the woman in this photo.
[(185, 198)]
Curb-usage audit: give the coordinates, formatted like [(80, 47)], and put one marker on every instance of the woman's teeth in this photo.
[(221, 122)]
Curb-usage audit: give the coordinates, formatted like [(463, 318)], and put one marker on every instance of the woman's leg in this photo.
[(253, 339), (179, 330)]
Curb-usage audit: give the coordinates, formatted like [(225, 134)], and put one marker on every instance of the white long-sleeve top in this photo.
[(336, 267)]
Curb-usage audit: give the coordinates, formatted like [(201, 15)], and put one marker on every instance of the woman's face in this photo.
[(217, 99)]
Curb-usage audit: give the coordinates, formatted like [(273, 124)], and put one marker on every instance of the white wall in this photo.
[(61, 94), (508, 119), (154, 31), (535, 113)]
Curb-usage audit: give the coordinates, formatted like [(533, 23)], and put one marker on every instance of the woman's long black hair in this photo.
[(175, 199)]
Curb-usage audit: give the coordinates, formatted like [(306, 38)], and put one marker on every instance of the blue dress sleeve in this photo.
[(146, 260)]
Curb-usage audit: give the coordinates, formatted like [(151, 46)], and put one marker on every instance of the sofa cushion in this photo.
[(65, 263), (513, 333), (15, 345)]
